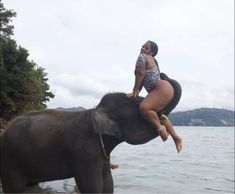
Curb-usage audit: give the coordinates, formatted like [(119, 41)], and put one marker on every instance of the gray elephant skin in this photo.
[(54, 144)]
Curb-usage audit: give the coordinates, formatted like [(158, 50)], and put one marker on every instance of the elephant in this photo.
[(55, 144)]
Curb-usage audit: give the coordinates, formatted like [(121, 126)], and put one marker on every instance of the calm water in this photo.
[(206, 165)]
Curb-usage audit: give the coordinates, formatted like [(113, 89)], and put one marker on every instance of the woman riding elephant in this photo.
[(160, 92)]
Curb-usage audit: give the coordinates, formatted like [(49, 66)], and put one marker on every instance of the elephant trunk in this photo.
[(110, 143), (141, 137)]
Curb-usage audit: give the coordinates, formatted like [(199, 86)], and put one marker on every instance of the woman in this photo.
[(160, 92)]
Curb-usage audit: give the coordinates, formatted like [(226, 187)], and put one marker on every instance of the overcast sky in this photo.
[(89, 47)]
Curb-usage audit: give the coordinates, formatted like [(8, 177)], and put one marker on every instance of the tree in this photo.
[(5, 17), (23, 85)]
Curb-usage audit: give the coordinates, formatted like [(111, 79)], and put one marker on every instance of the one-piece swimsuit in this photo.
[(151, 75)]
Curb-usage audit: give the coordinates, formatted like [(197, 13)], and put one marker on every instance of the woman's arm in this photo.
[(139, 81), (139, 76)]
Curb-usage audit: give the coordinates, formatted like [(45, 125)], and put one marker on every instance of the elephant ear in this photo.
[(103, 124)]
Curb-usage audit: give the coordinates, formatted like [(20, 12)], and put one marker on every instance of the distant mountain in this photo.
[(203, 117), (72, 109)]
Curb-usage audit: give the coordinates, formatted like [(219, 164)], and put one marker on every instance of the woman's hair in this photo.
[(154, 48)]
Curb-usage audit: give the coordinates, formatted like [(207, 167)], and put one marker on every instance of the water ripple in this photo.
[(206, 165)]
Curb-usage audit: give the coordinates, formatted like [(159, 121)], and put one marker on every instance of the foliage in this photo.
[(5, 17), (23, 85)]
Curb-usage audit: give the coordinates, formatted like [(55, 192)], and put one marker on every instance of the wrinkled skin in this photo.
[(53, 144)]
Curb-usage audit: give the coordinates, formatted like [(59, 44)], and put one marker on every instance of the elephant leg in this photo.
[(13, 181), (89, 179), (31, 183), (107, 179)]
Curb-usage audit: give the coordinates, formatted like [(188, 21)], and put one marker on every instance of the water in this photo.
[(206, 165)]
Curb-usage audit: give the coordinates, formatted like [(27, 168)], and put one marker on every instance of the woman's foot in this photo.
[(114, 166), (76, 189), (163, 133), (178, 144)]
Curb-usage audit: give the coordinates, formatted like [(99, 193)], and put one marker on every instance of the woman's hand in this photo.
[(133, 94)]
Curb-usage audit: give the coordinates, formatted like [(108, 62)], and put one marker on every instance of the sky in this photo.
[(89, 47)]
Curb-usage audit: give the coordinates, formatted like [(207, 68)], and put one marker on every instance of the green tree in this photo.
[(5, 18), (23, 85)]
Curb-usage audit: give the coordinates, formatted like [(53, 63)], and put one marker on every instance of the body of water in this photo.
[(206, 165)]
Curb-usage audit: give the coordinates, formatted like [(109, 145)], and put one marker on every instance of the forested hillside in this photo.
[(23, 83), (203, 117)]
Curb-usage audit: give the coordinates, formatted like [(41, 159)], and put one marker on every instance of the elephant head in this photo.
[(117, 115)]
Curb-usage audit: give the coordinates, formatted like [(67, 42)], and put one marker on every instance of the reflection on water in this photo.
[(206, 165), (61, 186)]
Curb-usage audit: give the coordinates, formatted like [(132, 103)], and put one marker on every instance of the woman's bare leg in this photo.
[(152, 117), (171, 130), (148, 108)]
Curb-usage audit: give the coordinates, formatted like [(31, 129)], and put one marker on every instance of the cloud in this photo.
[(64, 98), (198, 94), (72, 89), (89, 48), (81, 85)]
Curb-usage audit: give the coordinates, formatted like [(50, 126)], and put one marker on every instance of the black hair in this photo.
[(154, 48)]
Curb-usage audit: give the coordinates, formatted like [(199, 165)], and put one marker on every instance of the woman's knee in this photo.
[(143, 108)]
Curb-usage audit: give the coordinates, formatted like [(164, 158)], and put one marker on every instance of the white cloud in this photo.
[(64, 98), (198, 94), (81, 85), (89, 47)]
